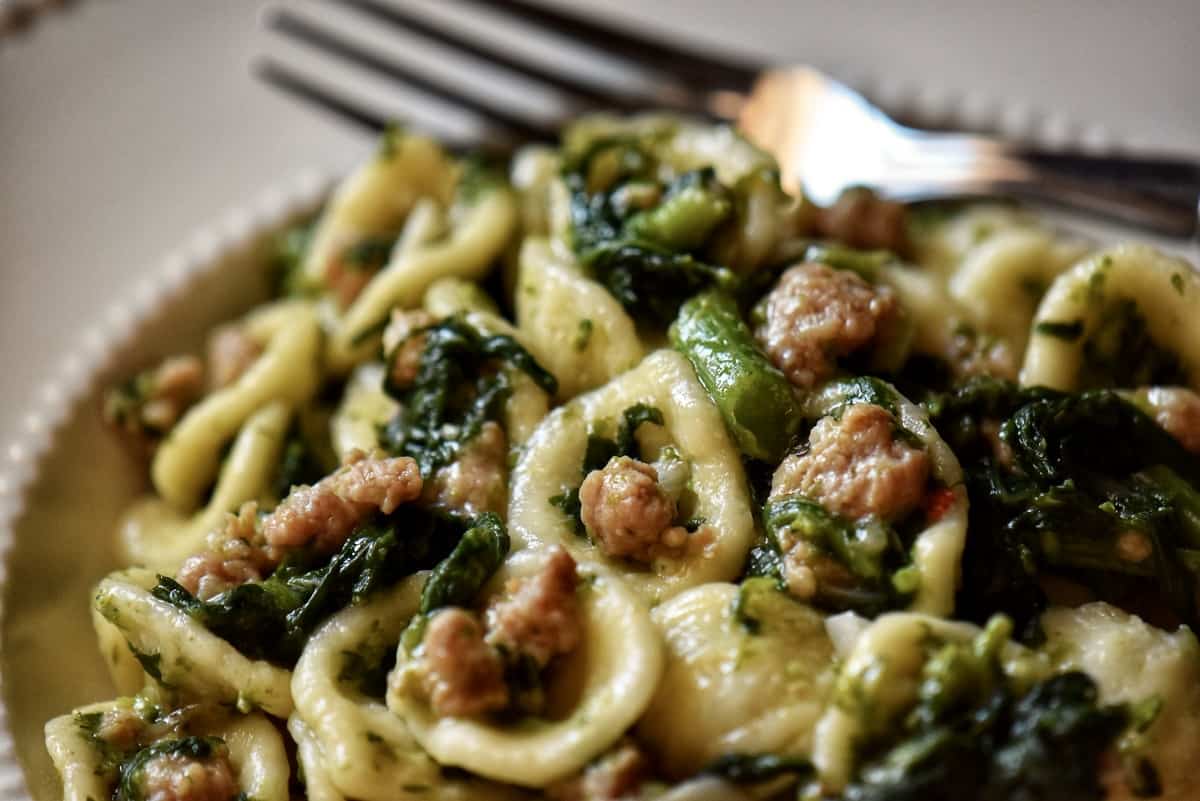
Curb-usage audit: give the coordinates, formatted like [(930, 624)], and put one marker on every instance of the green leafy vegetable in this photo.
[(1084, 486), (864, 556), (290, 248), (272, 619), (461, 384), (459, 577), (646, 257), (753, 396), (755, 768)]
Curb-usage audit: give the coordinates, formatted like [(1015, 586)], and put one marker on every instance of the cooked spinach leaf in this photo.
[(461, 384), (272, 619)]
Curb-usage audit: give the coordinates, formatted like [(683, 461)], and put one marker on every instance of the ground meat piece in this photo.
[(234, 556), (616, 776), (463, 675), (475, 481), (862, 219), (120, 728), (151, 403), (230, 354), (806, 570), (1177, 410), (816, 315), (628, 513), (540, 618), (856, 467), (346, 277), (971, 353), (174, 777), (404, 345), (326, 513)]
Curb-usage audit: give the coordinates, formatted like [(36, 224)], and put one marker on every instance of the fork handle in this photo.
[(1159, 194)]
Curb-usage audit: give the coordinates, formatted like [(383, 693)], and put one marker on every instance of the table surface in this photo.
[(127, 124)]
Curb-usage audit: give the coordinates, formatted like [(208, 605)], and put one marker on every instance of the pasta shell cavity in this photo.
[(185, 658), (595, 693), (575, 327), (363, 750), (288, 371), (155, 534), (732, 685), (937, 550), (550, 466), (256, 753), (1131, 309)]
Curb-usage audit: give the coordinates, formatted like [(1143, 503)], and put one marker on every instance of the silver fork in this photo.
[(825, 136)]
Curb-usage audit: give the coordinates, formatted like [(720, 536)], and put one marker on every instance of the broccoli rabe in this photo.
[(975, 731), (864, 560), (641, 239), (1084, 486), (753, 396), (461, 384), (272, 619)]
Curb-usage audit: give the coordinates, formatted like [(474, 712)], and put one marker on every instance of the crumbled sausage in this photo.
[(120, 728), (346, 275), (464, 676), (862, 219), (174, 777), (153, 402), (230, 353), (816, 315), (475, 481), (404, 344), (233, 556), (806, 570), (540, 618), (628, 513), (615, 777), (1177, 410), (971, 353), (856, 467), (326, 513)]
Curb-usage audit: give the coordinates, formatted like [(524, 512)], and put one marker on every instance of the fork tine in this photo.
[(689, 65), (295, 27), (293, 83), (404, 19)]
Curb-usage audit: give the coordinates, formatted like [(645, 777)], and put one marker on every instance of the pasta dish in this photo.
[(613, 471)]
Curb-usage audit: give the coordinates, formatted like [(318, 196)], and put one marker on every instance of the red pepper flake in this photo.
[(938, 503)]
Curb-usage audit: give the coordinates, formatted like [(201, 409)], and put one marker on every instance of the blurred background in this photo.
[(125, 125)]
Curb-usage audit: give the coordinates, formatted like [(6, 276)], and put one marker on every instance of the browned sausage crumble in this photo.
[(231, 352), (863, 220), (855, 466), (175, 777), (323, 515), (462, 662), (816, 315), (1177, 411), (476, 481), (628, 514)]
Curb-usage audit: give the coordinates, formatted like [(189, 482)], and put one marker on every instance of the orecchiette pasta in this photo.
[(550, 466), (288, 370), (632, 475), (157, 535), (594, 696), (1087, 305), (186, 657)]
